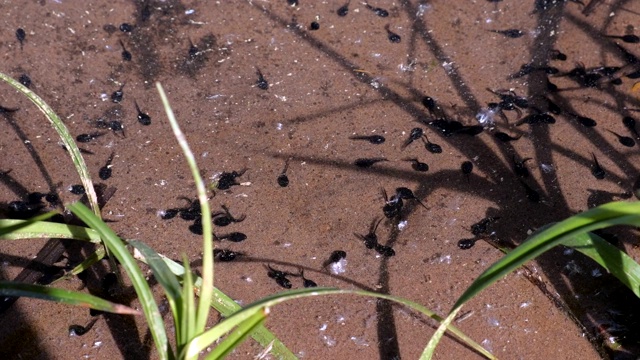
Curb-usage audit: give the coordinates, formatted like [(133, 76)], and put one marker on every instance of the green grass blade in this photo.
[(167, 280), (430, 349), (9, 288), (27, 229), (614, 260), (207, 242), (11, 226), (615, 213), (188, 315), (160, 270), (226, 306), (65, 136), (238, 335), (202, 341), (84, 265), (119, 250)]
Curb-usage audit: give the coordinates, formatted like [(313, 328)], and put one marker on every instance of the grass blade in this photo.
[(161, 271), (430, 349), (207, 240), (11, 226), (226, 306), (616, 261), (84, 265), (10, 288), (28, 229), (118, 249), (188, 316), (65, 136), (198, 344), (615, 213), (238, 335)]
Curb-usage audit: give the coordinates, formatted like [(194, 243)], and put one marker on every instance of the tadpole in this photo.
[(79, 330), (143, 118)]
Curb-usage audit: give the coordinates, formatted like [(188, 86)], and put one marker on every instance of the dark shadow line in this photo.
[(339, 109), (31, 150)]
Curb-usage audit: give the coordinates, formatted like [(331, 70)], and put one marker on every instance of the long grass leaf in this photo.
[(26, 229), (430, 349), (118, 249), (10, 288), (188, 316), (238, 335), (226, 306), (615, 213), (614, 260), (196, 345), (9, 226), (207, 239), (65, 136), (161, 271)]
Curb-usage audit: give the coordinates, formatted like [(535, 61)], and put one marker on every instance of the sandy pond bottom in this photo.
[(345, 78)]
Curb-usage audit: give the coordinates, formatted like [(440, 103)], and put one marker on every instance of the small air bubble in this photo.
[(547, 168), (596, 273), (360, 341), (402, 224), (328, 340), (338, 267)]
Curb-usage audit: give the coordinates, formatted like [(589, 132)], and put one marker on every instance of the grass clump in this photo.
[(179, 284)]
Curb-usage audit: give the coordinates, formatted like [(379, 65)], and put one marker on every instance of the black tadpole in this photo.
[(261, 83), (21, 35), (510, 33), (225, 255), (105, 171), (283, 179), (465, 244), (378, 11), (417, 165), (143, 118), (233, 237), (624, 140), (25, 80), (228, 179), (631, 39), (79, 330), (117, 95), (279, 276), (415, 134), (393, 37), (431, 147), (370, 239), (126, 55), (344, 9), (307, 282), (225, 218)]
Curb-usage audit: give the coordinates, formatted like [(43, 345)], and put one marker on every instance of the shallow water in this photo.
[(325, 85)]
